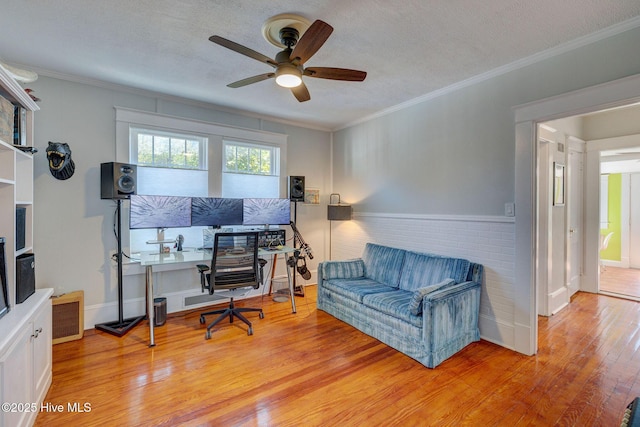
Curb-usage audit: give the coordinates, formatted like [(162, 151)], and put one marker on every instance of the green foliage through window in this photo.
[(160, 149), (249, 159)]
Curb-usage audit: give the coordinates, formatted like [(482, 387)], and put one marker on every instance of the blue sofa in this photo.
[(423, 305)]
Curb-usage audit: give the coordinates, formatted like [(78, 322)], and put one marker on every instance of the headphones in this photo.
[(294, 261), (303, 270)]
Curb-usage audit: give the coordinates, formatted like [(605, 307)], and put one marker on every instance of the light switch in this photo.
[(510, 209)]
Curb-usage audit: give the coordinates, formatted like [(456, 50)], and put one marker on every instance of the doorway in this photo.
[(624, 91), (620, 222)]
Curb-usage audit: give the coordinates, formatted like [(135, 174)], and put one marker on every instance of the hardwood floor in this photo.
[(311, 369), (621, 281)]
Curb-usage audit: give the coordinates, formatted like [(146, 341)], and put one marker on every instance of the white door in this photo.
[(634, 222), (575, 216)]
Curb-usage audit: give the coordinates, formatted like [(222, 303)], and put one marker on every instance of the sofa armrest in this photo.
[(349, 269), (450, 315)]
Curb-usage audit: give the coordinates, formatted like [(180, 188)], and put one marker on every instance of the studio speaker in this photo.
[(68, 317), (117, 180), (25, 277), (296, 188)]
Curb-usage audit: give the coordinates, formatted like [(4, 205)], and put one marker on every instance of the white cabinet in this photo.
[(25, 359)]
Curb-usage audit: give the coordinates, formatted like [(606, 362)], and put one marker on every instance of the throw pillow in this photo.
[(415, 305)]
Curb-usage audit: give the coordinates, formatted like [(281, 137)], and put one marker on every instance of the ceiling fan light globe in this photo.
[(288, 80), (288, 76)]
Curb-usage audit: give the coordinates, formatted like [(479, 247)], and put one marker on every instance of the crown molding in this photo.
[(516, 65)]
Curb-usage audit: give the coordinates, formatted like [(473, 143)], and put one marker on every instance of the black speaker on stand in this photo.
[(118, 182), (296, 188)]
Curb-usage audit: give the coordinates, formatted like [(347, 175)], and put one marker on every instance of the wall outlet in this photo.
[(510, 209)]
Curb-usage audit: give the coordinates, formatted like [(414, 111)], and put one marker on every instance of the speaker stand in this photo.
[(121, 326), (297, 290)]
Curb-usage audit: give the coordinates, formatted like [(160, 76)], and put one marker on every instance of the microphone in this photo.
[(179, 242)]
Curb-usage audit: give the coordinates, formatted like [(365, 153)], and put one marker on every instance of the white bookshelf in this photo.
[(25, 331)]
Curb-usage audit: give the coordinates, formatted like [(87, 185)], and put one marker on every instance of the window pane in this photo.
[(254, 160), (177, 152), (265, 164), (192, 155), (161, 151), (145, 149), (231, 163), (242, 159)]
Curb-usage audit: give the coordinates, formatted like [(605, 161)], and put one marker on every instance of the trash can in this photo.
[(159, 311), (280, 290)]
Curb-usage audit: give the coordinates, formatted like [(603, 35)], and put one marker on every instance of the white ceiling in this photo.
[(409, 48)]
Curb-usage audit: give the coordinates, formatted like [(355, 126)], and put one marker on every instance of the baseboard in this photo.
[(496, 332), (559, 300)]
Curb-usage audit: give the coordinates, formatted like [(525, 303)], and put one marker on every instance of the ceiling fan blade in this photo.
[(335, 73), (250, 80), (243, 50), (311, 41), (301, 92)]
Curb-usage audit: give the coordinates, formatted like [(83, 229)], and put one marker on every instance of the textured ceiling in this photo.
[(408, 47)]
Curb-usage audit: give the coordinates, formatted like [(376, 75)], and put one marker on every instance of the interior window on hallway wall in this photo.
[(169, 164), (250, 170)]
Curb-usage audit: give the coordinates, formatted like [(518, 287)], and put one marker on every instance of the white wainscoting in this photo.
[(487, 240)]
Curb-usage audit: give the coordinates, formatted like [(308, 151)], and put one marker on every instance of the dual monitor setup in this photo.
[(176, 211)]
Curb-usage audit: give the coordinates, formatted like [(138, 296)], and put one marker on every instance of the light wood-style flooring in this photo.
[(621, 281), (310, 369)]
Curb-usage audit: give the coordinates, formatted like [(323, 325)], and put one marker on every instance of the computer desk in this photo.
[(149, 259)]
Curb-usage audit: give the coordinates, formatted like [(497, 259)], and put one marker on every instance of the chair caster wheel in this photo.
[(202, 320), (207, 335), (250, 331), (261, 315)]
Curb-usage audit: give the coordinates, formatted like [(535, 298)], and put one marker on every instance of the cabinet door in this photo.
[(42, 352), (17, 379)]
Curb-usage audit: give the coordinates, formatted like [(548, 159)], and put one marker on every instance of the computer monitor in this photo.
[(267, 211), (159, 212), (213, 211)]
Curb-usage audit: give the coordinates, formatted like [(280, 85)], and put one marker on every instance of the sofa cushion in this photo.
[(383, 264), (356, 289), (421, 270), (349, 269), (415, 305), (393, 303)]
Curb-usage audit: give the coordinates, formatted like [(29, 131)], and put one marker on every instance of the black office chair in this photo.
[(234, 266)]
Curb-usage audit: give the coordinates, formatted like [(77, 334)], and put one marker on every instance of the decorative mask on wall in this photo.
[(60, 163)]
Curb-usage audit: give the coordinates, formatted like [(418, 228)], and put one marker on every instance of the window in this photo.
[(250, 170), (169, 164), (163, 149), (177, 156)]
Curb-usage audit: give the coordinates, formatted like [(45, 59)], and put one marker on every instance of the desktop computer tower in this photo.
[(25, 277)]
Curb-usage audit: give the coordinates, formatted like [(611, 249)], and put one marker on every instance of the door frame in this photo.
[(607, 95)]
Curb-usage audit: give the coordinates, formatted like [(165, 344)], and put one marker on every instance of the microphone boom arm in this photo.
[(300, 241)]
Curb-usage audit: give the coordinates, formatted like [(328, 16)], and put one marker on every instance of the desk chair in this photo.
[(235, 266)]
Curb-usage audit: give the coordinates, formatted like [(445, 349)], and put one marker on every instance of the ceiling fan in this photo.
[(289, 63)]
